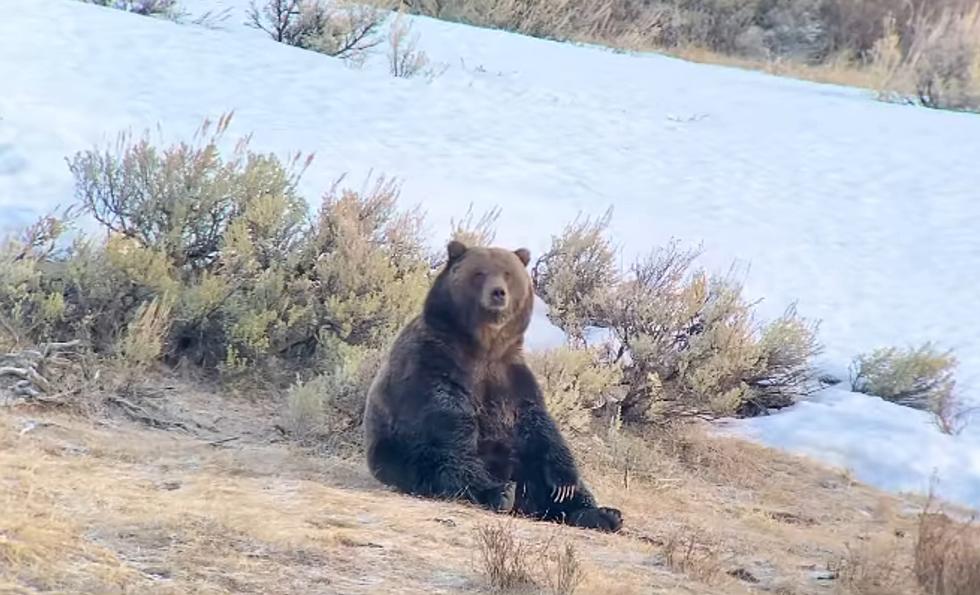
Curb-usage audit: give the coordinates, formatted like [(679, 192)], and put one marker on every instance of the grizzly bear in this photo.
[(454, 412)]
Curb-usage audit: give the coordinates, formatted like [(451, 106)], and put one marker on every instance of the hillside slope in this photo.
[(220, 503), (863, 211)]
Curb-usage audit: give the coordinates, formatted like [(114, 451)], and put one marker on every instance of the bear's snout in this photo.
[(495, 297)]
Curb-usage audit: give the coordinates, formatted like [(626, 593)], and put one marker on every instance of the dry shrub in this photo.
[(149, 8), (143, 342), (714, 459), (694, 552), (405, 60), (874, 568), (504, 557), (947, 554), (620, 23), (932, 44), (370, 268), (480, 232), (341, 29), (510, 563), (179, 202), (575, 276), (945, 60), (29, 307), (887, 63), (577, 384), (917, 377), (327, 409), (566, 573), (686, 340), (215, 261)]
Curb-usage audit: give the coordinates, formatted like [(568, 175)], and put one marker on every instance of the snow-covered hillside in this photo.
[(865, 212)]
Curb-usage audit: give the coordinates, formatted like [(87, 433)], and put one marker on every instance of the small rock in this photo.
[(157, 573), (743, 575), (831, 484), (823, 575), (829, 380)]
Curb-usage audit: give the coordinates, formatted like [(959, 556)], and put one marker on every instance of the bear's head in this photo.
[(485, 293)]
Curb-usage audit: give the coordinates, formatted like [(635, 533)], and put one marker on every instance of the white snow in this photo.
[(894, 448), (865, 212)]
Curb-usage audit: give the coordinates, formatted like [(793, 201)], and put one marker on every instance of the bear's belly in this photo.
[(495, 444)]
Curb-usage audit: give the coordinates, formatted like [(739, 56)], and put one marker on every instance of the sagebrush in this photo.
[(920, 377), (341, 29), (164, 8), (511, 563), (216, 260), (685, 340)]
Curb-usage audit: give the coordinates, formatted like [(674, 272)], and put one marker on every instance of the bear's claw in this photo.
[(562, 493)]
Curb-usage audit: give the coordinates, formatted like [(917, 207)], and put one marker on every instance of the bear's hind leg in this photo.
[(389, 465), (452, 476), (437, 473)]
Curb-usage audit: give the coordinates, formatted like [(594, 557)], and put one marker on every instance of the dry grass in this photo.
[(566, 574), (947, 554), (510, 562), (614, 23), (115, 507), (837, 72), (695, 553), (881, 567), (924, 51), (504, 557)]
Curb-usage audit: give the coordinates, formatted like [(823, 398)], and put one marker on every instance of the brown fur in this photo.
[(455, 411)]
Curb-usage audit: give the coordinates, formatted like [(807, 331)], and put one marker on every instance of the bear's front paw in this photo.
[(602, 519), (500, 498)]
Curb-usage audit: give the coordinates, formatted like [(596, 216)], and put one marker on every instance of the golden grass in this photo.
[(835, 72), (893, 73), (947, 554), (114, 508)]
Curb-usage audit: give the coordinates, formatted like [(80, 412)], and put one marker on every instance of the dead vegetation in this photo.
[(344, 30), (504, 558), (692, 552), (916, 51), (947, 553), (879, 567), (211, 263), (685, 340), (120, 505), (920, 377), (510, 562)]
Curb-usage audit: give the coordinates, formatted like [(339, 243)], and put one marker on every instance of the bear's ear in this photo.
[(524, 254), (455, 250)]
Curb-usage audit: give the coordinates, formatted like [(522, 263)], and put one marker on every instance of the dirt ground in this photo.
[(218, 500)]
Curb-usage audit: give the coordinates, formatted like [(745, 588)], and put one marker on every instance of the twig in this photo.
[(26, 373), (141, 415), (223, 441)]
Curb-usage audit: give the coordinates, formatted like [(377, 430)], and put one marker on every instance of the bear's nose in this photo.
[(498, 295)]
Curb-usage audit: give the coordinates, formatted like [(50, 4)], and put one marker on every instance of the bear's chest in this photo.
[(494, 402)]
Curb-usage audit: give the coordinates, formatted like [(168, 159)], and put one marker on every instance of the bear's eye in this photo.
[(479, 275), (507, 275)]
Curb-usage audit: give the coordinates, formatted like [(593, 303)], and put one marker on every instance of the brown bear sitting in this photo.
[(455, 412)]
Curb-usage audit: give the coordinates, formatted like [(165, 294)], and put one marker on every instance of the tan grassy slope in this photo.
[(104, 505)]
